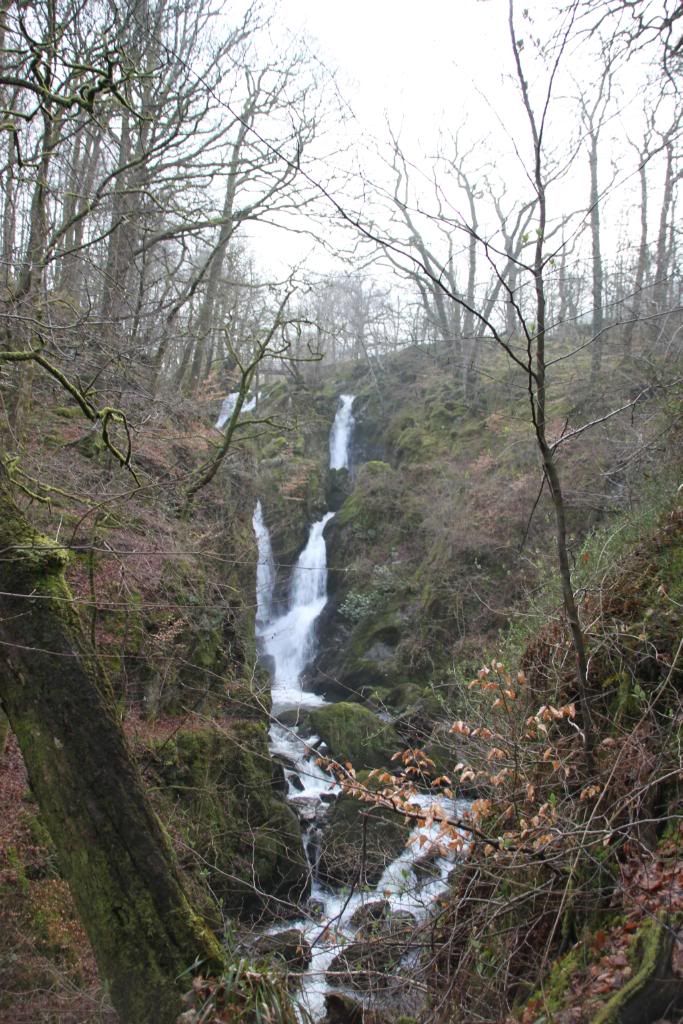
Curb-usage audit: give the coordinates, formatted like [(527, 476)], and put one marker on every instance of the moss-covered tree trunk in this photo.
[(111, 847)]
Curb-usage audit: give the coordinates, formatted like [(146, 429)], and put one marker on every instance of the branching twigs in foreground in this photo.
[(104, 417)]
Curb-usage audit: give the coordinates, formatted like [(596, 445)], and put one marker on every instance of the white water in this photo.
[(228, 407), (289, 639), (265, 570), (399, 885), (341, 433)]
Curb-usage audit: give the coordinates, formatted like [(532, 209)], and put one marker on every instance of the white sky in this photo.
[(436, 65), (401, 55)]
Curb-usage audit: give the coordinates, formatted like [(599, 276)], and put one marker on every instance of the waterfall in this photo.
[(265, 570), (341, 433), (309, 580), (289, 641), (228, 407), (289, 638)]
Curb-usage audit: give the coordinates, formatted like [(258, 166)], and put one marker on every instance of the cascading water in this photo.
[(340, 434), (289, 641)]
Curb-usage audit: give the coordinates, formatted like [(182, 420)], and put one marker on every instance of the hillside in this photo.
[(440, 558)]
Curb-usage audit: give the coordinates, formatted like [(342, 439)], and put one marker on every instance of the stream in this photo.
[(286, 642)]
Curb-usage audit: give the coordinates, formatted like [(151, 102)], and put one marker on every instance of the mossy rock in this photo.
[(218, 789), (341, 1008), (374, 495), (289, 946), (337, 486), (363, 659), (367, 965), (359, 842), (352, 733), (654, 991)]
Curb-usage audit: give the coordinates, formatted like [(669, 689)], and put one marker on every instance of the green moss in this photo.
[(551, 997), (653, 990), (246, 841), (352, 733), (274, 447), (367, 506)]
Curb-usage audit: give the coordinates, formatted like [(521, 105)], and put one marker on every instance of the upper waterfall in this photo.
[(340, 435), (228, 407)]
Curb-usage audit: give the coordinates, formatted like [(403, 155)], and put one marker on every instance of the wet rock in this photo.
[(312, 843), (337, 488), (295, 782), (366, 965), (316, 908), (370, 913), (377, 920), (290, 946), (267, 663), (279, 781), (359, 842), (426, 868), (343, 1009), (306, 807), (293, 717)]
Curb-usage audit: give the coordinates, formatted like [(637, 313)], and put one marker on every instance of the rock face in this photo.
[(216, 789)]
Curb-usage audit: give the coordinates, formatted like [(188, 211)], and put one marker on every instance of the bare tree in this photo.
[(594, 113)]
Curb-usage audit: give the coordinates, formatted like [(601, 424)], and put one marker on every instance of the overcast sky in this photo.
[(437, 65), (401, 56)]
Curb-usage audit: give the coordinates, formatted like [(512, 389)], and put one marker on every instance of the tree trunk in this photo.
[(663, 263), (643, 259), (537, 396), (598, 280), (111, 847)]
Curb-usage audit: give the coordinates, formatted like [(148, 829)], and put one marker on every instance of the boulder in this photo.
[(370, 913), (343, 1009), (359, 841), (353, 733), (365, 965), (290, 946)]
